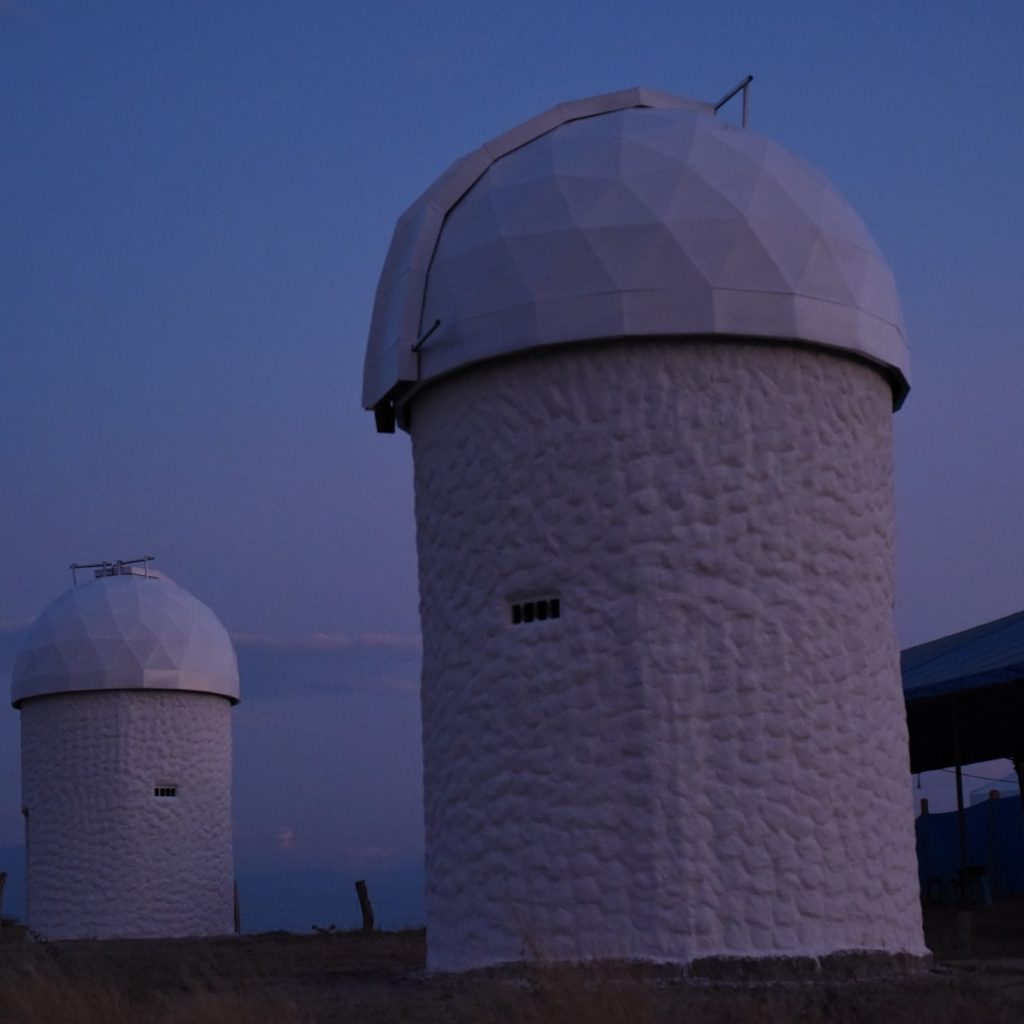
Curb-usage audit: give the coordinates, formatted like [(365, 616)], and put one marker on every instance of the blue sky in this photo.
[(197, 199)]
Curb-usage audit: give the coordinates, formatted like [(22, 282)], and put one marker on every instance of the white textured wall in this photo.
[(707, 753), (106, 857)]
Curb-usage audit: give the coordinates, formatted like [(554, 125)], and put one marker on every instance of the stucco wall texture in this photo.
[(706, 754), (106, 857)]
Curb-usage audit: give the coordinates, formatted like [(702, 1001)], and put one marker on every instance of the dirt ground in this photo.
[(281, 978)]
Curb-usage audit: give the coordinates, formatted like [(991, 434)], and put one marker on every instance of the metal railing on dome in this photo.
[(743, 87), (122, 567)]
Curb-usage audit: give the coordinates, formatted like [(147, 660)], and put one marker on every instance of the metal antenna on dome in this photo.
[(111, 568), (85, 565), (743, 87)]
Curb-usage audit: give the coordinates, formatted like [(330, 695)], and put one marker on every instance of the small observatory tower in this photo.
[(125, 686), (648, 361)]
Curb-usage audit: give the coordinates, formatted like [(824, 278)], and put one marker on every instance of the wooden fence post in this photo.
[(365, 906), (3, 882)]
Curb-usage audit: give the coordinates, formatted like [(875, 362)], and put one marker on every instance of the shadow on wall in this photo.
[(995, 843)]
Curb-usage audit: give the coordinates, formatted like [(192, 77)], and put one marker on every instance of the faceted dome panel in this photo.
[(630, 215), (126, 632)]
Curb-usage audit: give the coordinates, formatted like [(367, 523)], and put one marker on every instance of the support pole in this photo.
[(961, 822), (365, 906), (964, 917), (236, 908), (961, 819), (925, 850), (1018, 767)]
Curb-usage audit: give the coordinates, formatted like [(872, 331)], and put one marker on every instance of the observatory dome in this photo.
[(126, 632), (633, 214)]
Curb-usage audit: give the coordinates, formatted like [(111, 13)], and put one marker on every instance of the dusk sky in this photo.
[(197, 201)]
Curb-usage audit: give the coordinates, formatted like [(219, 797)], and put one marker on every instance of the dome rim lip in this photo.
[(392, 366), (28, 686), (894, 377), (68, 691)]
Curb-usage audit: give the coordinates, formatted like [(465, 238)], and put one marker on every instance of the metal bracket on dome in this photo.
[(385, 411), (419, 343), (743, 87), (112, 568)]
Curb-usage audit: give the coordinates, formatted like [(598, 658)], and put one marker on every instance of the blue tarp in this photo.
[(995, 841)]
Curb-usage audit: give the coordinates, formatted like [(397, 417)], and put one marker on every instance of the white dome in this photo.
[(629, 215), (126, 632)]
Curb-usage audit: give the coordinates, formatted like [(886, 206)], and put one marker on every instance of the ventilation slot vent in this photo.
[(539, 609), (165, 791)]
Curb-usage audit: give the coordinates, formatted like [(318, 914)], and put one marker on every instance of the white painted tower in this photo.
[(648, 362), (125, 686)]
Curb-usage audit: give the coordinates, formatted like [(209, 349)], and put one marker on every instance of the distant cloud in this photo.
[(364, 857), (11, 11), (276, 666), (322, 664), (273, 642), (11, 633), (328, 642)]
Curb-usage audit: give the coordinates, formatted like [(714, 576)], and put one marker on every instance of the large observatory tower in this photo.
[(125, 686), (648, 361)]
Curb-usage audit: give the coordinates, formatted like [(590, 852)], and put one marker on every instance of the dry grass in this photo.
[(49, 997), (641, 995), (346, 977)]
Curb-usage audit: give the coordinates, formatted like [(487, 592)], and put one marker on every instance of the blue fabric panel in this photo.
[(995, 841)]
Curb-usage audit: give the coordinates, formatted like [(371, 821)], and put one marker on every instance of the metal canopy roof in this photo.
[(965, 695)]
